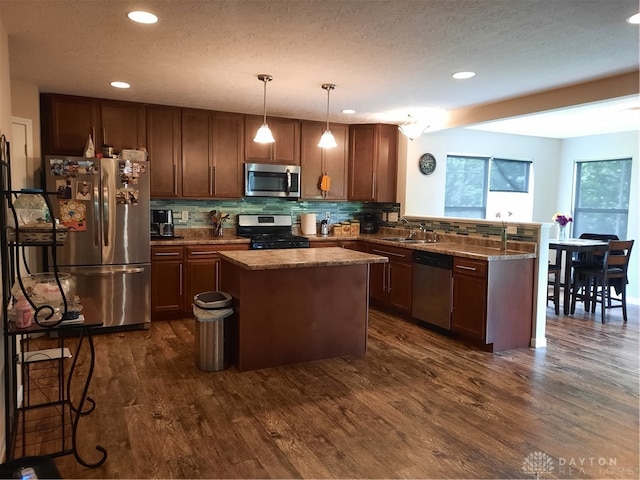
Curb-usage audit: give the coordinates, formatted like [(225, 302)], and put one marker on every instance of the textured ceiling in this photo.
[(387, 58)]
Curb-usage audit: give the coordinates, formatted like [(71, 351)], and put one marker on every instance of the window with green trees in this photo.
[(466, 186), (601, 203)]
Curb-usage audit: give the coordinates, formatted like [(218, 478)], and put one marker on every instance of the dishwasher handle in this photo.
[(438, 260)]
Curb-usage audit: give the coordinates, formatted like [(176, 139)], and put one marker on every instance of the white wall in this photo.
[(424, 195), (598, 147), (5, 128), (553, 163)]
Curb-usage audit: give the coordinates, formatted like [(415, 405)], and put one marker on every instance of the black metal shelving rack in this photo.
[(23, 363)]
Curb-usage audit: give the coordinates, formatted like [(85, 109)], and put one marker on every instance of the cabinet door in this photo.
[(373, 163), (167, 282), (167, 290), (315, 161), (123, 125), (285, 149), (311, 160), (361, 162), (400, 286), (228, 145), (469, 298), (378, 283), (197, 153), (201, 276), (67, 122), (385, 177), (336, 162), (163, 144)]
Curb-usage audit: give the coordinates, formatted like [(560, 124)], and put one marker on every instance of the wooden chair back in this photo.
[(616, 258)]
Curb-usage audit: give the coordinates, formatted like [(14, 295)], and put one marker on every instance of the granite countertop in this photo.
[(467, 247), (466, 250), (299, 258)]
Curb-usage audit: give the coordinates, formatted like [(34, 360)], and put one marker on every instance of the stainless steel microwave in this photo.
[(268, 180)]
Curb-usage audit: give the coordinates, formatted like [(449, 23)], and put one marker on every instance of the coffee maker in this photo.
[(162, 223)]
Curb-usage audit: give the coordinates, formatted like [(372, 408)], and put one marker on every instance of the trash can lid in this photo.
[(203, 315), (212, 300)]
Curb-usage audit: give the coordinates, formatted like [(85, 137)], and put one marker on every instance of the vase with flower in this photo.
[(562, 220)]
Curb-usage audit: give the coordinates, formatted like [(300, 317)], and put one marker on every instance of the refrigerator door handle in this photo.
[(96, 220), (105, 210), (92, 272)]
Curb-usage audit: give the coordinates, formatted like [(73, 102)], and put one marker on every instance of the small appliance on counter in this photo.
[(162, 224), (369, 223)]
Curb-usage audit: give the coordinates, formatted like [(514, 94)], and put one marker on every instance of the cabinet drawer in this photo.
[(469, 266), (403, 255), (201, 252), (167, 253)]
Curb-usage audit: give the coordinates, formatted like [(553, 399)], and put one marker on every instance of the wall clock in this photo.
[(427, 164)]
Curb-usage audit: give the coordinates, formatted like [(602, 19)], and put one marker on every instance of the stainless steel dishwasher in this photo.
[(432, 289)]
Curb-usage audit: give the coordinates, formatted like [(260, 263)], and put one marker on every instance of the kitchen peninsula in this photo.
[(298, 305)]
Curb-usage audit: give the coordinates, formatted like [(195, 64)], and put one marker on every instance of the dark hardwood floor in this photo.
[(419, 405)]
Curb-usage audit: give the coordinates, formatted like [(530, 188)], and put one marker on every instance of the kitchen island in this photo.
[(297, 305)]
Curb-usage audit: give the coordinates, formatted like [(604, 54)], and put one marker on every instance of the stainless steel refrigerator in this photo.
[(105, 204)]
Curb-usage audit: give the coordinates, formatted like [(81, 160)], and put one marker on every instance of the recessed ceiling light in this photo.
[(463, 75), (142, 17), (120, 85), (635, 19), (348, 110)]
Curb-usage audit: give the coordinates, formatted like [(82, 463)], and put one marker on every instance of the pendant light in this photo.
[(264, 133), (327, 140), (412, 129)]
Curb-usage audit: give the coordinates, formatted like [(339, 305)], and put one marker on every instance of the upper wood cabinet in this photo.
[(164, 147), (123, 125), (228, 148), (67, 122), (373, 163), (286, 148), (316, 161), (212, 148), (197, 153)]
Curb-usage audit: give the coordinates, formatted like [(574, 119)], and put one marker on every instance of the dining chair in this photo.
[(611, 274), (580, 285), (554, 282)]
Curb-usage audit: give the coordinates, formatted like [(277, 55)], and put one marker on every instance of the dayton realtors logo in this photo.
[(537, 463)]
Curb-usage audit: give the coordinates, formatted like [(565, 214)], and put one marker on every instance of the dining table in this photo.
[(565, 249)]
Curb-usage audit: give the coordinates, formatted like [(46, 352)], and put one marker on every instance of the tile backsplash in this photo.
[(387, 213), (340, 211)]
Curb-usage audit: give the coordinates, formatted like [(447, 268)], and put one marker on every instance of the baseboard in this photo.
[(538, 342)]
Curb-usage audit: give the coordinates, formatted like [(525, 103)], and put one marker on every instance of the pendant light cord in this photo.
[(264, 121), (328, 93)]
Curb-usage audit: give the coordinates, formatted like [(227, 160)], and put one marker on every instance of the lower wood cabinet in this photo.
[(349, 244), (179, 273), (390, 284), (167, 282), (493, 302)]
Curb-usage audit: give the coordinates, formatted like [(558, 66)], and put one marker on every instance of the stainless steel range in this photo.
[(269, 232)]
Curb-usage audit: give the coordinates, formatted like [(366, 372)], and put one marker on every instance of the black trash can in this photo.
[(214, 330)]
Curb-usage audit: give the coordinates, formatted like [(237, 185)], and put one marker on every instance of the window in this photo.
[(466, 186), (509, 175), (477, 185), (601, 203)]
